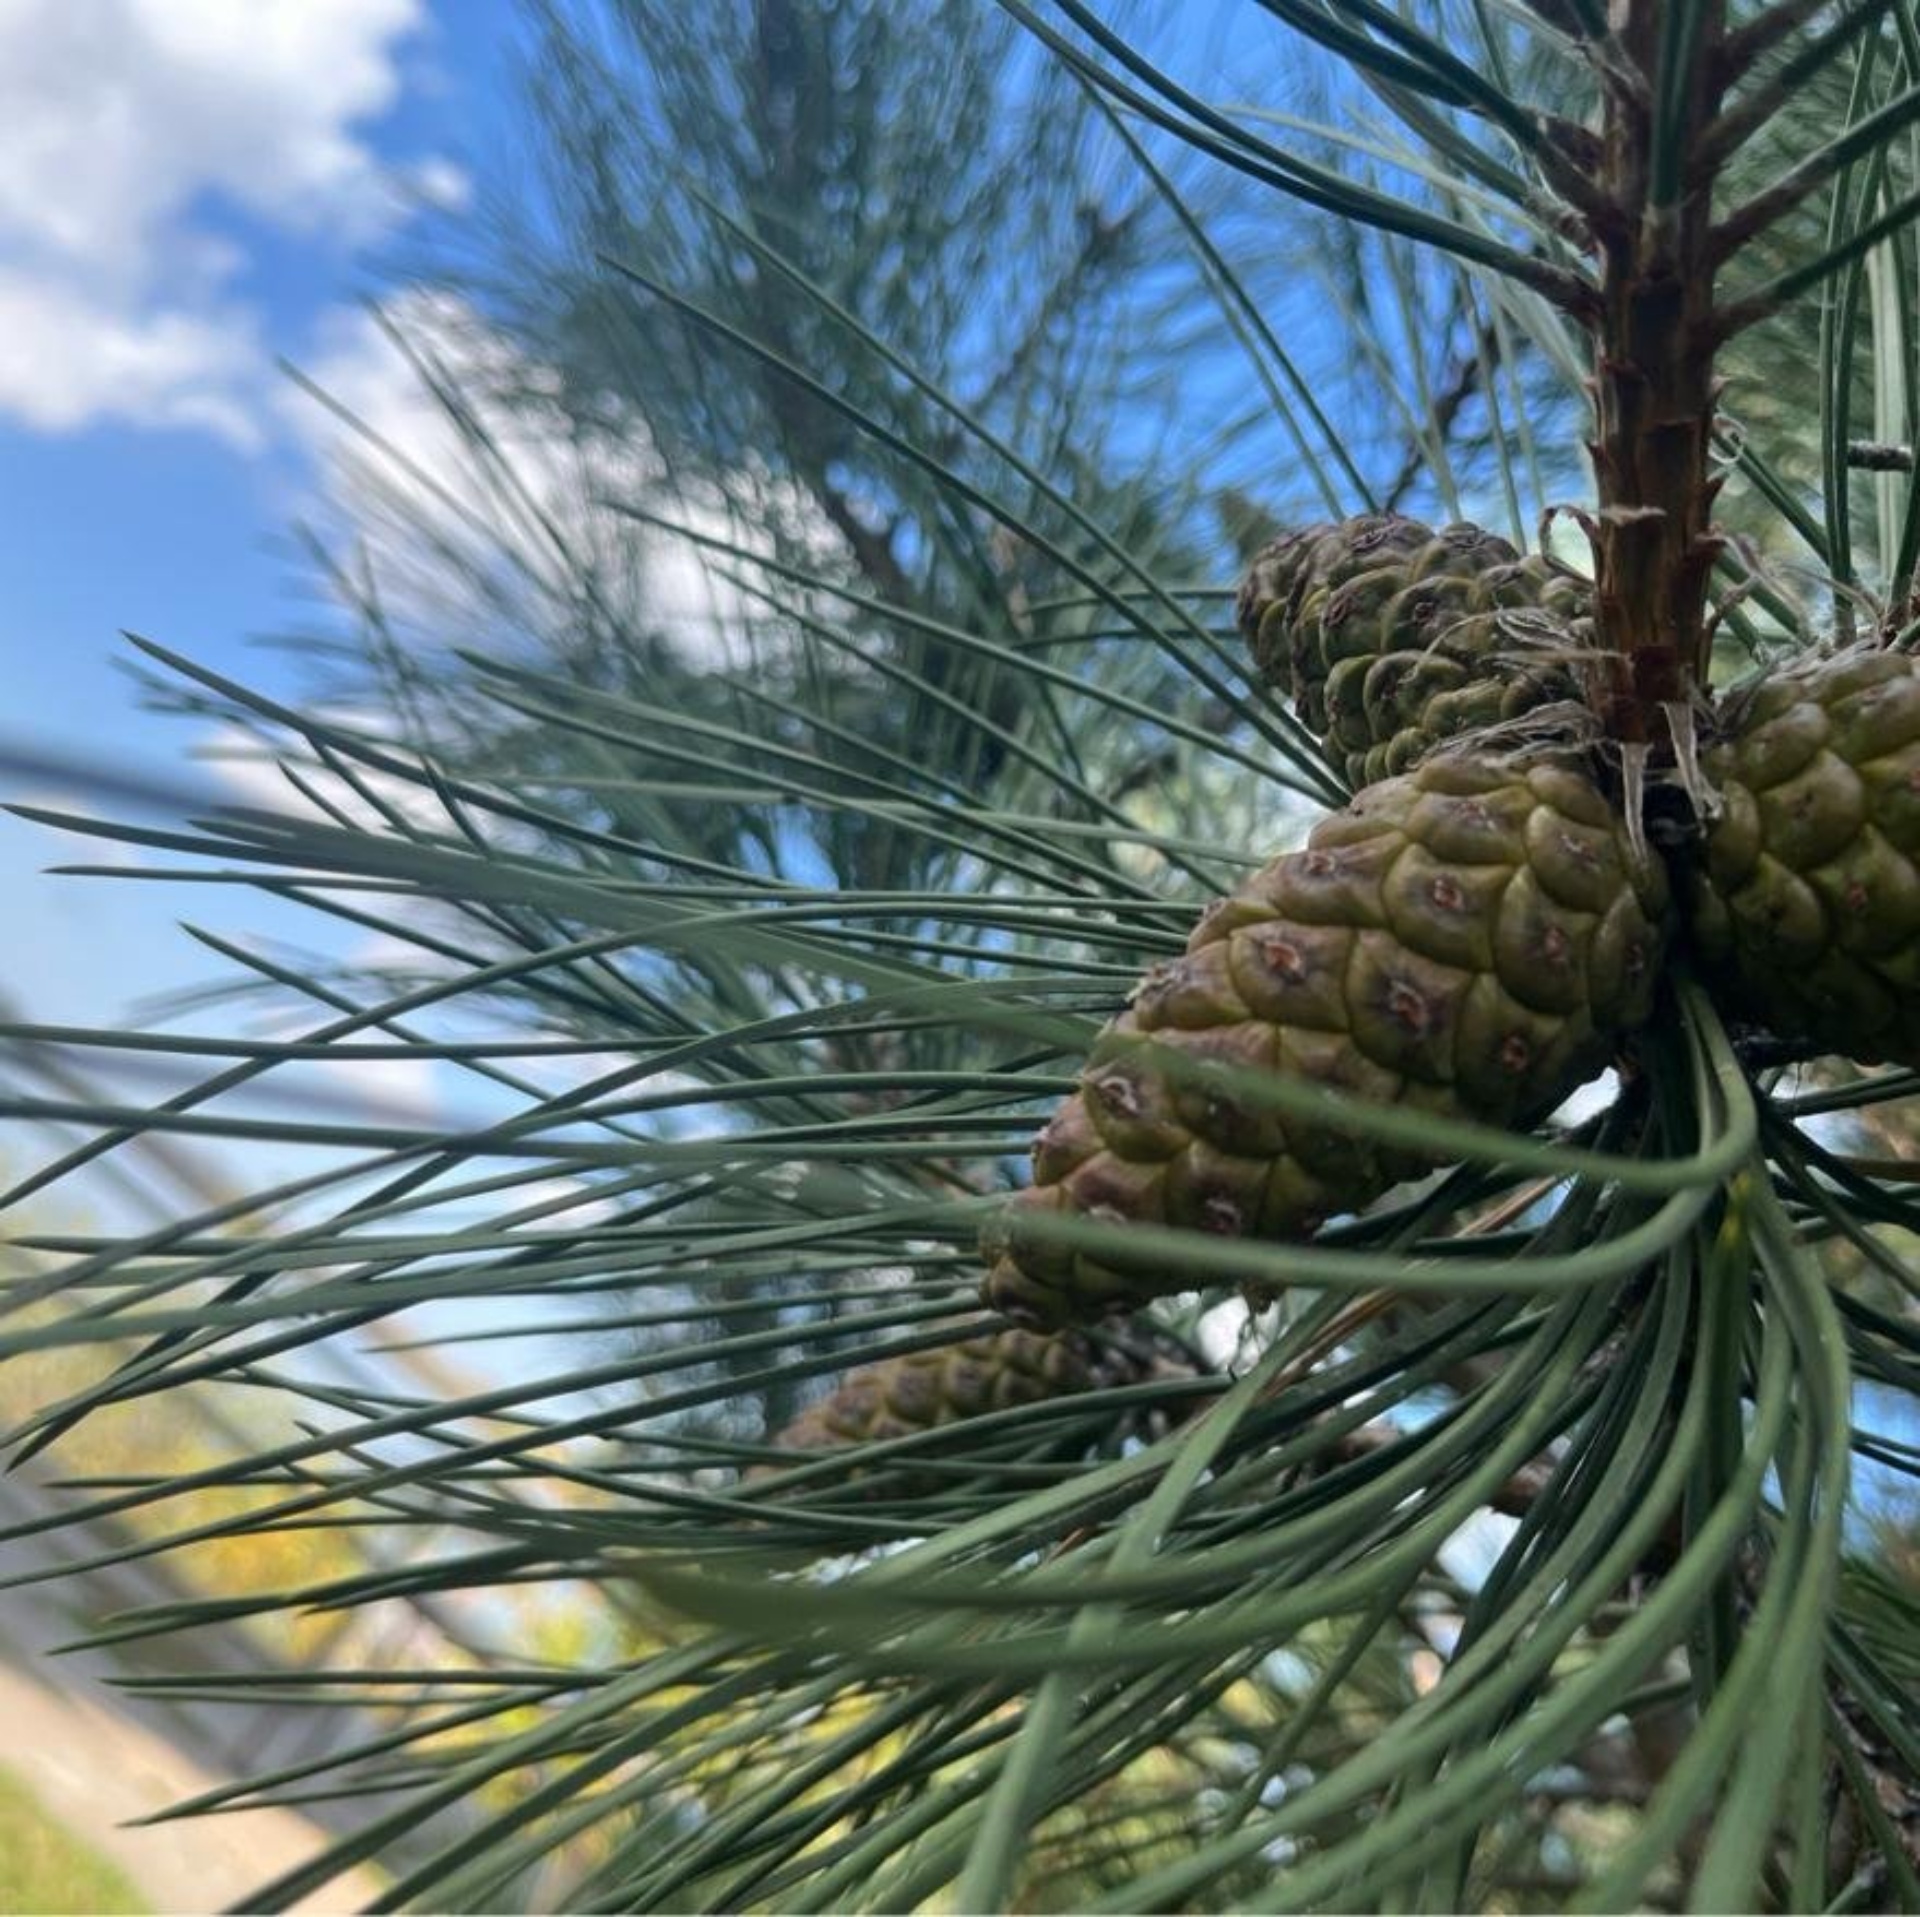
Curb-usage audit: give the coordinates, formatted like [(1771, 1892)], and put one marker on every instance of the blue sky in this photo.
[(189, 191)]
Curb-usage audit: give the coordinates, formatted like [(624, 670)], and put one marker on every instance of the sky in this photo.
[(191, 192), (194, 195)]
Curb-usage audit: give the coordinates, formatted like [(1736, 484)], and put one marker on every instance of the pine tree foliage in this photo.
[(1507, 1553)]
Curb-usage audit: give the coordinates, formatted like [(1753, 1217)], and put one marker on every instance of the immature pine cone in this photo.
[(1391, 636), (1806, 906), (921, 1390), (1469, 940)]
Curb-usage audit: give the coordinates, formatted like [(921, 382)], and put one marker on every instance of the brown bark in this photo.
[(1654, 391)]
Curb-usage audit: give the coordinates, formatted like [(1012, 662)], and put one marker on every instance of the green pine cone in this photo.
[(1805, 906), (1391, 637), (1469, 940), (997, 1371)]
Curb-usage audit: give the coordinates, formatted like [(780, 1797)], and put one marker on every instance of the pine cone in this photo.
[(923, 1390), (1469, 940), (1391, 637), (1806, 906)]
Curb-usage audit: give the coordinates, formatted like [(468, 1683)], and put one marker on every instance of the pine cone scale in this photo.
[(1002, 1370), (1372, 962), (1392, 637), (1805, 900)]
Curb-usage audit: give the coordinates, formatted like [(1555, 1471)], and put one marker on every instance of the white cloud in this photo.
[(409, 488), (73, 358), (126, 120), (402, 430)]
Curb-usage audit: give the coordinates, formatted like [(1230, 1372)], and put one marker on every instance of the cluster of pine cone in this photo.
[(1472, 937)]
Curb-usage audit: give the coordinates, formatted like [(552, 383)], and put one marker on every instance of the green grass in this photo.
[(45, 1868)]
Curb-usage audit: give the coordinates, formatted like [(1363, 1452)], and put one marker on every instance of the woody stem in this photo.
[(1653, 386)]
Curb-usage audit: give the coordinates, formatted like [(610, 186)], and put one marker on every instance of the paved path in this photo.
[(95, 1755), (92, 1769)]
